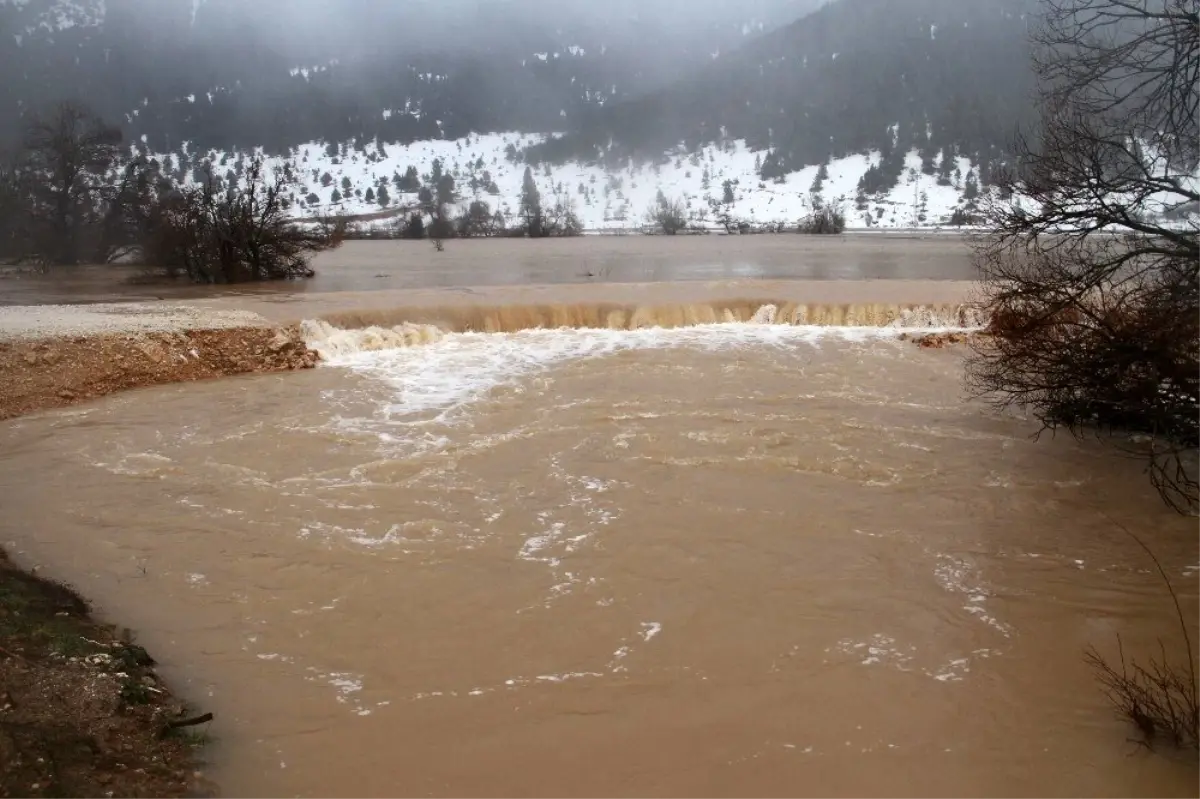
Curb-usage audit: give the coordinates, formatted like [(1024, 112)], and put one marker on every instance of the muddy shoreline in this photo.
[(82, 710)]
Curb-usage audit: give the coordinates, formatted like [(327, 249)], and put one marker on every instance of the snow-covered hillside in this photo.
[(57, 15), (349, 183)]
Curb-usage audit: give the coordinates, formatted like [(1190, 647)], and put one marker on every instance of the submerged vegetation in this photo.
[(1094, 294), (1095, 302), (240, 234), (825, 220), (70, 196), (1160, 698)]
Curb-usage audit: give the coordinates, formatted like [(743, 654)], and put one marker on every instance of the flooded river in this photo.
[(368, 266), (731, 557)]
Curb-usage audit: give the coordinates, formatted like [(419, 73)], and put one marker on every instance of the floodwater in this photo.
[(727, 559), (366, 266)]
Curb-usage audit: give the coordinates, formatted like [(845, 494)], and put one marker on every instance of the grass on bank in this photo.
[(82, 712)]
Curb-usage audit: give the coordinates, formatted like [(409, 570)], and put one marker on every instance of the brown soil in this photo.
[(55, 372), (939, 340), (82, 712)]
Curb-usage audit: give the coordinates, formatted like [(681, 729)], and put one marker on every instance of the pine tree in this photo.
[(819, 181), (445, 191), (336, 197), (531, 205), (346, 184), (370, 196), (425, 199), (971, 187), (382, 197), (411, 181), (946, 167)]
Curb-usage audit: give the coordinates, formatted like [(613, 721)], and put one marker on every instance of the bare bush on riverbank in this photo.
[(826, 220), (666, 216), (1161, 699), (1095, 308), (240, 234)]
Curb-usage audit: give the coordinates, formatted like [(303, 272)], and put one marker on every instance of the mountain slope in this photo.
[(278, 73), (934, 76)]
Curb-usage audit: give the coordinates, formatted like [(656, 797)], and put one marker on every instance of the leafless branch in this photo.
[(1091, 268)]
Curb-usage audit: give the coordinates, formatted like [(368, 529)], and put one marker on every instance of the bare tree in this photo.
[(1091, 268), (240, 234), (559, 218), (67, 153), (128, 207), (824, 220), (667, 215), (478, 220), (15, 233)]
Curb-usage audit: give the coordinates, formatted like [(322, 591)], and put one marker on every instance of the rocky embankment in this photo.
[(56, 356)]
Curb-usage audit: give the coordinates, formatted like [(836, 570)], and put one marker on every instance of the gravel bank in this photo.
[(67, 321), (56, 355)]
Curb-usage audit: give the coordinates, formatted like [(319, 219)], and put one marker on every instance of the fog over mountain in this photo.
[(910, 96), (278, 72)]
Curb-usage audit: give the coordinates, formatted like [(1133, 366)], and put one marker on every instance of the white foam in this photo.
[(650, 629), (449, 370), (955, 574), (332, 342)]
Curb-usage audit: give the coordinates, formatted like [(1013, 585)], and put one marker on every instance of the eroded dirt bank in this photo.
[(82, 712), (56, 371)]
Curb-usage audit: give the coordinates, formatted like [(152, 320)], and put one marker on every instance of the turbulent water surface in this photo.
[(726, 558)]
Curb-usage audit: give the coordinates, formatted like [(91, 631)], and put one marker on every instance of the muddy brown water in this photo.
[(366, 266), (717, 559)]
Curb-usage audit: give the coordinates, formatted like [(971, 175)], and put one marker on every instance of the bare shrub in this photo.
[(1094, 294), (1161, 699), (238, 235), (667, 215), (826, 220), (478, 220)]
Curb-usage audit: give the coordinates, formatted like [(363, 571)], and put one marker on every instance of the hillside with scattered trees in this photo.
[(944, 78)]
